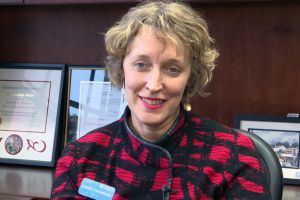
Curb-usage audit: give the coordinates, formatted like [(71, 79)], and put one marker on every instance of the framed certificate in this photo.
[(92, 101), (30, 112), (283, 135)]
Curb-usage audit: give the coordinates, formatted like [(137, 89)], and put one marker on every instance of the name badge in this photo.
[(96, 190)]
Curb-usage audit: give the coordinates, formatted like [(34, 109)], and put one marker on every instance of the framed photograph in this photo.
[(283, 135), (92, 101), (30, 113)]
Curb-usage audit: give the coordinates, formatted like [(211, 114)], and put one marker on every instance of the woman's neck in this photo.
[(152, 133)]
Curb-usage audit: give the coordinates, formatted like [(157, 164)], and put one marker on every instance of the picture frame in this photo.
[(86, 87), (30, 113), (283, 135)]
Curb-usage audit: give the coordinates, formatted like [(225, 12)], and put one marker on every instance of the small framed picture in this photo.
[(283, 135), (92, 101), (30, 113)]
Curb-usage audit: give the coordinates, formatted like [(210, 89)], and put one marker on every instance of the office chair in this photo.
[(271, 162)]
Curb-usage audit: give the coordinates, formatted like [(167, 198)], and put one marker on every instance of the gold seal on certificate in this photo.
[(13, 144)]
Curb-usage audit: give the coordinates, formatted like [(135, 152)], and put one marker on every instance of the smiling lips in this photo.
[(152, 103)]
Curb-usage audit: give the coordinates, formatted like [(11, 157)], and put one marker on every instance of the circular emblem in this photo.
[(13, 144)]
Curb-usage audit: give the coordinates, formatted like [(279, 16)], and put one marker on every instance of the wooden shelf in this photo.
[(25, 182), (34, 183)]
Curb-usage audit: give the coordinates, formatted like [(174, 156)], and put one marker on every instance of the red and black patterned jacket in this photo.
[(196, 159)]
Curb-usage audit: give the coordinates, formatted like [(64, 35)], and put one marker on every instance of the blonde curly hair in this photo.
[(173, 20)]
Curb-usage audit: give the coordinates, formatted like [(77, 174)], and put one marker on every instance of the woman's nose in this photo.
[(154, 82)]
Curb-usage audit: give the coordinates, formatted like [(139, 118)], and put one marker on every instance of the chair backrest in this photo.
[(272, 163)]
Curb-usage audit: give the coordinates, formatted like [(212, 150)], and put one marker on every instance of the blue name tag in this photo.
[(96, 190)]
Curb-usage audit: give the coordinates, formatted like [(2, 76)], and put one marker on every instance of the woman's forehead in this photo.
[(147, 31)]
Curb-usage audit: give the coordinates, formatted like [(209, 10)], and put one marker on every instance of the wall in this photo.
[(258, 72)]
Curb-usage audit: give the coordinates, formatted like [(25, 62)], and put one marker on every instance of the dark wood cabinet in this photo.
[(11, 2), (41, 2), (65, 2), (257, 72)]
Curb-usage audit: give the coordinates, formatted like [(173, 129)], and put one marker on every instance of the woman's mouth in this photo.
[(152, 103)]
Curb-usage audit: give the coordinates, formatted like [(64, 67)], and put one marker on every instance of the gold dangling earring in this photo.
[(187, 106)]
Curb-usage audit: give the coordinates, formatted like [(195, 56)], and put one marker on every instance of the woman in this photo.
[(162, 54)]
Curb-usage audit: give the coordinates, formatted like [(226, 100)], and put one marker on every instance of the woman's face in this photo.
[(156, 75)]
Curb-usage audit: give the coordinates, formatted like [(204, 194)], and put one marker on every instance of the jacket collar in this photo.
[(170, 139)]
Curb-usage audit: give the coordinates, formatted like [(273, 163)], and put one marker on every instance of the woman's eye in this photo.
[(140, 66), (173, 70)]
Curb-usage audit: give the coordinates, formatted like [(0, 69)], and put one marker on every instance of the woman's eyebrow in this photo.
[(146, 57), (174, 61), (142, 56)]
